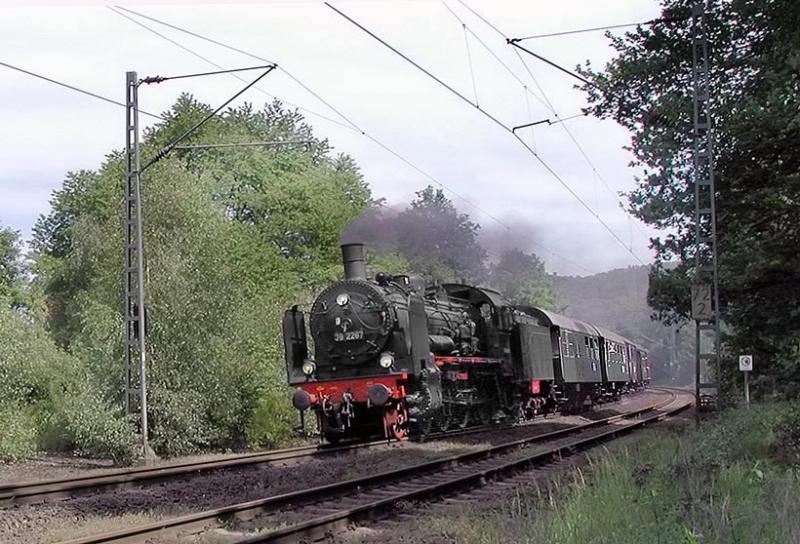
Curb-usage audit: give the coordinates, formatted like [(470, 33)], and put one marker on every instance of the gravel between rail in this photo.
[(335, 509), (139, 505), (426, 523)]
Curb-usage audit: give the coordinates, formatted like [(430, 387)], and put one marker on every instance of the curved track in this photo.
[(312, 513), (38, 491)]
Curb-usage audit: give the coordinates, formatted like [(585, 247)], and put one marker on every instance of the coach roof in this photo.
[(561, 321), (614, 337)]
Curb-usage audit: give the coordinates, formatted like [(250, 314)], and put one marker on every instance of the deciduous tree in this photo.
[(439, 241), (11, 270), (521, 277), (755, 107), (231, 237)]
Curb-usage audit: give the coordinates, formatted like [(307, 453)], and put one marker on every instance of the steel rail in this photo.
[(339, 520), (57, 489), (34, 491), (216, 517)]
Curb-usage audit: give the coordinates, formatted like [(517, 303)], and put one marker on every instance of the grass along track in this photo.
[(327, 508)]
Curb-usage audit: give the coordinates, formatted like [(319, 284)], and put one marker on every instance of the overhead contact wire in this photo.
[(577, 144), (471, 69), (77, 89), (549, 105), (545, 101), (369, 136), (492, 53), (219, 67), (598, 28), (497, 122), (248, 54)]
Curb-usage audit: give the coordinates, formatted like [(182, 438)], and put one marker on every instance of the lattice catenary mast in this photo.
[(135, 311), (135, 376), (705, 291)]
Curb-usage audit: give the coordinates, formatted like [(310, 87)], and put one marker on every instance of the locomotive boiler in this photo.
[(391, 357)]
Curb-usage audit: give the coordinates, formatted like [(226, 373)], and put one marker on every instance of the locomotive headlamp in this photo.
[(308, 367), (386, 360), (342, 299)]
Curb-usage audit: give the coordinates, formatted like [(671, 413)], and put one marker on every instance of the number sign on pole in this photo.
[(702, 310)]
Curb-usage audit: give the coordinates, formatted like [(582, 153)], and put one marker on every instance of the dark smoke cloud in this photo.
[(375, 227), (522, 235), (380, 228)]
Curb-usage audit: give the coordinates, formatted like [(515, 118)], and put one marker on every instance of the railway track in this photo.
[(314, 512), (63, 488), (38, 491), (56, 489)]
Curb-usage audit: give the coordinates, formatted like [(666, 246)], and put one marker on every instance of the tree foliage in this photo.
[(438, 240), (755, 90), (47, 400), (11, 268), (521, 277), (231, 237)]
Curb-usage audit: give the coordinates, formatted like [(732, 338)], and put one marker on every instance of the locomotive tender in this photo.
[(393, 356)]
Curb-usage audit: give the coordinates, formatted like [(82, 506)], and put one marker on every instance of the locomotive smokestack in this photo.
[(353, 260)]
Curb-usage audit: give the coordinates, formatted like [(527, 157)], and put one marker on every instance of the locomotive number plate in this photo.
[(347, 336)]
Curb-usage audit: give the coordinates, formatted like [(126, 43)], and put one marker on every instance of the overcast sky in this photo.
[(47, 131)]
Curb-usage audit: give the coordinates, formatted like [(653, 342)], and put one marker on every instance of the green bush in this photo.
[(272, 421), (49, 400), (95, 428), (739, 435), (178, 419), (18, 433), (786, 443)]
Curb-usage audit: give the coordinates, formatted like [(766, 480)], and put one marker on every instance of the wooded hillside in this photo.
[(617, 300)]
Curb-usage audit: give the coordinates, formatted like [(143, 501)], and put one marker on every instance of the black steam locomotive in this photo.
[(393, 355)]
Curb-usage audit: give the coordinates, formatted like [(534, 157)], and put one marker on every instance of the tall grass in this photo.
[(731, 481)]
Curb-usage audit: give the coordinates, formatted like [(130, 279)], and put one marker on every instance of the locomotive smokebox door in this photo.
[(295, 344)]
